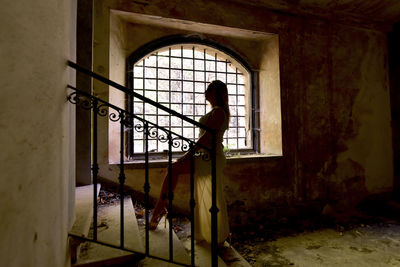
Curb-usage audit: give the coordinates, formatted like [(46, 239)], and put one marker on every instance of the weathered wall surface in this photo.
[(270, 98), (37, 167), (118, 74), (340, 109), (335, 107), (394, 64)]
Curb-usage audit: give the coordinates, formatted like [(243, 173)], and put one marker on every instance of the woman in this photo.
[(218, 119)]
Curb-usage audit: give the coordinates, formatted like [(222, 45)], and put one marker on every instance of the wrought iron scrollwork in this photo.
[(203, 154), (182, 143), (175, 142), (102, 110), (206, 156), (186, 146), (81, 100), (116, 114), (139, 127), (157, 133), (87, 103)]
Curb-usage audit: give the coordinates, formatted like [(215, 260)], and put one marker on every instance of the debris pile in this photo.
[(107, 198)]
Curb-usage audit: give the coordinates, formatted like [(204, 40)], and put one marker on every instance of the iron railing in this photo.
[(102, 108)]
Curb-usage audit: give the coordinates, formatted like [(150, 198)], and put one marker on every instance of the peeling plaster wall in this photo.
[(368, 130), (335, 106), (36, 147)]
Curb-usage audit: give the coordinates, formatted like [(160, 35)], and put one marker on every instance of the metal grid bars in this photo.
[(177, 77)]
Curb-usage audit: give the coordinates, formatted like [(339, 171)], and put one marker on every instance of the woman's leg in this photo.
[(178, 168)]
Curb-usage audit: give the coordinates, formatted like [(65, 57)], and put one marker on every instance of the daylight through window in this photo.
[(177, 77)]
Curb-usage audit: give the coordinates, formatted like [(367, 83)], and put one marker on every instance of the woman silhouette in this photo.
[(218, 119)]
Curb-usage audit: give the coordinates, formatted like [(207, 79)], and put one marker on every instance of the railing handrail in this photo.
[(134, 94), (121, 110)]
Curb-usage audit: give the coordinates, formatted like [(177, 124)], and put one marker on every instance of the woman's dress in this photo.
[(203, 187)]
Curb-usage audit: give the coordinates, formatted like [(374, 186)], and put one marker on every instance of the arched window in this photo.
[(177, 76)]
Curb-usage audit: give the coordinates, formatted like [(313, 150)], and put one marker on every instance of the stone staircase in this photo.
[(90, 254)]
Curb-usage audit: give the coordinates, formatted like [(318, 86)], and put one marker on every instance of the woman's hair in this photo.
[(221, 93)]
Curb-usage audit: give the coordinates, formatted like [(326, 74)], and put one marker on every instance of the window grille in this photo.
[(177, 77)]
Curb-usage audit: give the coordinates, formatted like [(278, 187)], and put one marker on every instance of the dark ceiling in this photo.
[(379, 13)]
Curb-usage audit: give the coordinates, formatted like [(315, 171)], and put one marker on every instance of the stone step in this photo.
[(130, 260), (202, 254), (93, 254), (155, 262), (232, 258), (83, 217), (83, 209), (159, 246), (109, 232)]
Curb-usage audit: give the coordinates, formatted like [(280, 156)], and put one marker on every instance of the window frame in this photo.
[(200, 40)]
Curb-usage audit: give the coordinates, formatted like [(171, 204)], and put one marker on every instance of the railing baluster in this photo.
[(146, 186), (214, 208), (122, 178), (192, 204), (170, 196), (95, 168)]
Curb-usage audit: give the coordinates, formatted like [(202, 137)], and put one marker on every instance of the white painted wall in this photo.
[(35, 180)]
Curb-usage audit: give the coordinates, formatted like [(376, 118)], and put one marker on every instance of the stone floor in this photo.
[(366, 245), (366, 236)]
